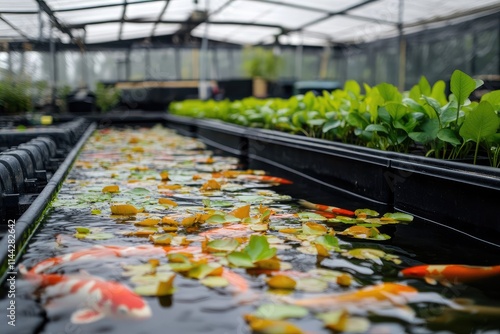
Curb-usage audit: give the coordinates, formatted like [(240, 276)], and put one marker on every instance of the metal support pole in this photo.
[(40, 23), (127, 65), (402, 49), (298, 58), (204, 84), (53, 76)]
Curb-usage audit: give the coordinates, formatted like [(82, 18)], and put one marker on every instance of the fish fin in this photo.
[(446, 283), (430, 281), (85, 316)]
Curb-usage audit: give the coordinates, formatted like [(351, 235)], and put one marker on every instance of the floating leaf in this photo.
[(99, 236), (216, 219), (162, 239), (215, 282), (362, 232), (222, 245), (267, 326), (404, 217), (328, 241), (241, 212), (160, 288), (310, 216), (81, 229), (140, 233), (340, 321), (311, 285), (139, 192), (111, 189), (311, 228), (280, 311), (169, 221), (148, 222), (124, 209), (252, 199), (258, 248), (210, 185), (281, 282), (366, 212), (95, 212), (166, 201), (240, 259), (169, 186), (205, 269)]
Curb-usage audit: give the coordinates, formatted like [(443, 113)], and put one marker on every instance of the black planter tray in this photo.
[(65, 134), (184, 125), (27, 224)]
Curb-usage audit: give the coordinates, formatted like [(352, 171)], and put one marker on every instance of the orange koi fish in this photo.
[(101, 298), (233, 231), (325, 208), (380, 292), (238, 282), (264, 178), (453, 273)]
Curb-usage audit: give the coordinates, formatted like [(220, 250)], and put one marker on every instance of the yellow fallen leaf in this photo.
[(169, 186), (169, 221), (322, 251), (133, 140), (210, 185), (289, 230), (148, 222), (140, 233), (111, 189), (271, 264), (241, 212), (166, 201), (344, 280), (169, 228), (266, 326), (123, 209), (138, 149), (281, 282), (164, 176)]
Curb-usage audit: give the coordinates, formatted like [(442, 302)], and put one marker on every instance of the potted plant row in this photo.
[(418, 151)]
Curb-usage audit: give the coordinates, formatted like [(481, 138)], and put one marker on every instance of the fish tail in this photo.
[(325, 208), (237, 281)]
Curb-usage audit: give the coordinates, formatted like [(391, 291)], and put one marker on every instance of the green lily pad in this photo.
[(215, 282), (99, 236), (310, 216), (84, 230), (258, 248), (240, 259), (404, 217), (203, 270), (280, 311), (222, 245), (367, 212), (328, 241)]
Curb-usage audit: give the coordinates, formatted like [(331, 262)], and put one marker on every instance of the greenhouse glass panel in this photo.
[(149, 10), (137, 64), (162, 64), (325, 5), (166, 29), (90, 15), (67, 4), (190, 63), (310, 66), (102, 32), (136, 30), (487, 59)]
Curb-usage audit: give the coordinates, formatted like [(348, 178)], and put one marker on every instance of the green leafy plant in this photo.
[(106, 97), (15, 95), (423, 120), (260, 62)]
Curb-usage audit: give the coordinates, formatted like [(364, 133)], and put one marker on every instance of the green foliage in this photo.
[(422, 120), (15, 95), (106, 97), (260, 62)]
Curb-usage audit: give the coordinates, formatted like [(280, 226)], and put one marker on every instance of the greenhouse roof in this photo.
[(314, 22)]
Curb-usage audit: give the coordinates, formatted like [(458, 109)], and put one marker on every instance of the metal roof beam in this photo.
[(82, 25), (99, 6), (164, 9), (22, 12), (122, 20), (16, 29), (54, 19)]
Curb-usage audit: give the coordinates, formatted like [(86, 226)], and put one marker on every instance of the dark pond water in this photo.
[(134, 160)]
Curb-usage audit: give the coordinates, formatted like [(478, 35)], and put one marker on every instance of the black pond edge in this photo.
[(27, 225)]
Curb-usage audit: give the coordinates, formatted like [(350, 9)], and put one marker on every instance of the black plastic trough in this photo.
[(457, 195), (27, 224)]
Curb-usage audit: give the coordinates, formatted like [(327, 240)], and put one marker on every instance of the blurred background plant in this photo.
[(107, 97), (15, 95)]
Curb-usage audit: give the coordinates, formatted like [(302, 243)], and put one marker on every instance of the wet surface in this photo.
[(135, 159)]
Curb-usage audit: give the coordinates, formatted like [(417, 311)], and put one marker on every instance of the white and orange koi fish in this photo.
[(451, 273), (325, 208), (100, 298), (98, 252), (380, 292)]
